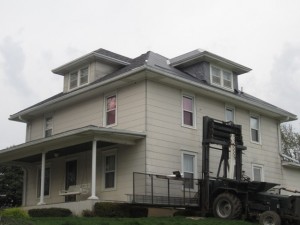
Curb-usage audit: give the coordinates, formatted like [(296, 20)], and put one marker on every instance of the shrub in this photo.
[(14, 221), (50, 212), (14, 213), (88, 213), (187, 212), (108, 209)]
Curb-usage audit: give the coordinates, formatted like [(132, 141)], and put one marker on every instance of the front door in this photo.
[(71, 178)]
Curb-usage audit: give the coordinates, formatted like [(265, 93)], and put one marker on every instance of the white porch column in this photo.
[(43, 167), (24, 194), (94, 167)]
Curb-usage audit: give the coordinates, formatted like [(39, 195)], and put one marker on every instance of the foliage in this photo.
[(50, 212), (290, 142), (11, 184), (108, 209), (14, 213), (14, 221), (136, 221), (187, 212), (88, 213)]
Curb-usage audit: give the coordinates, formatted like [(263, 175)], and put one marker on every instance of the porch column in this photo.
[(43, 167), (94, 167), (24, 194)]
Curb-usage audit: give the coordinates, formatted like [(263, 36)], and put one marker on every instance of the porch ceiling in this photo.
[(77, 137)]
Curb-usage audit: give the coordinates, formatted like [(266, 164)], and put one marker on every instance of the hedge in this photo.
[(108, 209), (50, 212), (14, 213)]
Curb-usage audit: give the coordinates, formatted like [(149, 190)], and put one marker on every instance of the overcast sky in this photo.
[(37, 36)]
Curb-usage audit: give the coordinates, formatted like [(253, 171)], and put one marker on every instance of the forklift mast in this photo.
[(226, 135)]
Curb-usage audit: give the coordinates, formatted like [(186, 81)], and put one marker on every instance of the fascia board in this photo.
[(18, 116), (94, 55), (288, 116), (211, 56), (89, 133)]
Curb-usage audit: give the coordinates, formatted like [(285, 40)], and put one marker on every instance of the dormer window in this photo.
[(221, 77), (78, 78)]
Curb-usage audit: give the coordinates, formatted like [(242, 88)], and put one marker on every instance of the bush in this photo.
[(14, 221), (50, 212), (187, 212), (108, 209), (14, 213), (88, 213)]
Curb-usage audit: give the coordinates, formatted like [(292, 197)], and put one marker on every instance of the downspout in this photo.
[(21, 119)]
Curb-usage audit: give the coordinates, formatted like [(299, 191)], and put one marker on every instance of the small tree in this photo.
[(290, 142), (11, 185)]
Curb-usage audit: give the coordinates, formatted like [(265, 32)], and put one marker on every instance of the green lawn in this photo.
[(138, 221)]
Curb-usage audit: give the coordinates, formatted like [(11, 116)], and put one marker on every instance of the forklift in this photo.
[(238, 196)]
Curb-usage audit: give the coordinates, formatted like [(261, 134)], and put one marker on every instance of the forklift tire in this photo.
[(269, 218), (227, 206)]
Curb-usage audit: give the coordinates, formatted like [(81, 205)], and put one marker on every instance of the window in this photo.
[(189, 168), (254, 125), (47, 182), (83, 76), (111, 110), (109, 170), (221, 77), (229, 114), (188, 111), (48, 126), (73, 80), (257, 172), (78, 78)]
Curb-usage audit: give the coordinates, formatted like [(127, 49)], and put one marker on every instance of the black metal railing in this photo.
[(154, 189)]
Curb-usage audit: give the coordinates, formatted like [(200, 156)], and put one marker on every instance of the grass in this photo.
[(135, 221)]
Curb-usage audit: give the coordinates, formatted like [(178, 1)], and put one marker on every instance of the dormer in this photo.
[(89, 68), (210, 68)]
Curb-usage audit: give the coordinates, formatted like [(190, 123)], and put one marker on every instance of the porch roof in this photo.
[(70, 138)]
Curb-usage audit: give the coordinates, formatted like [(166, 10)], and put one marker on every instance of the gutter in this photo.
[(222, 93), (211, 56), (141, 68), (58, 70), (74, 93)]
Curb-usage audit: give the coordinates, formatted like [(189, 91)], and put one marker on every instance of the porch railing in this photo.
[(154, 189)]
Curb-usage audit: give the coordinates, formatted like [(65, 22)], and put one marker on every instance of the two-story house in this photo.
[(118, 115)]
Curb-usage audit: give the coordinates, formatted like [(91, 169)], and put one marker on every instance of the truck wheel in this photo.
[(227, 206), (269, 218)]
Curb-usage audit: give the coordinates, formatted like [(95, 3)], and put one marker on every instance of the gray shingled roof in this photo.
[(151, 60)]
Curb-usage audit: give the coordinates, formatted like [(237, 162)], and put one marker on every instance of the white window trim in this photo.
[(259, 128), (44, 125), (78, 78), (261, 169), (104, 110), (184, 94), (222, 78), (38, 187), (185, 152), (231, 108), (104, 155)]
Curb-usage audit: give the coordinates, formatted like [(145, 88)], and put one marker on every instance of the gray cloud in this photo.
[(13, 65), (284, 89)]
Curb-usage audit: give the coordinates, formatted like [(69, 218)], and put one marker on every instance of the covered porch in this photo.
[(84, 165)]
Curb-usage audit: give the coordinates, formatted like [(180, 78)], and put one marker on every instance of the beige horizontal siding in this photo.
[(166, 137)]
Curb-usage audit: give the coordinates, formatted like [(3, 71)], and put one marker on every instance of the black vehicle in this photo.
[(239, 197)]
